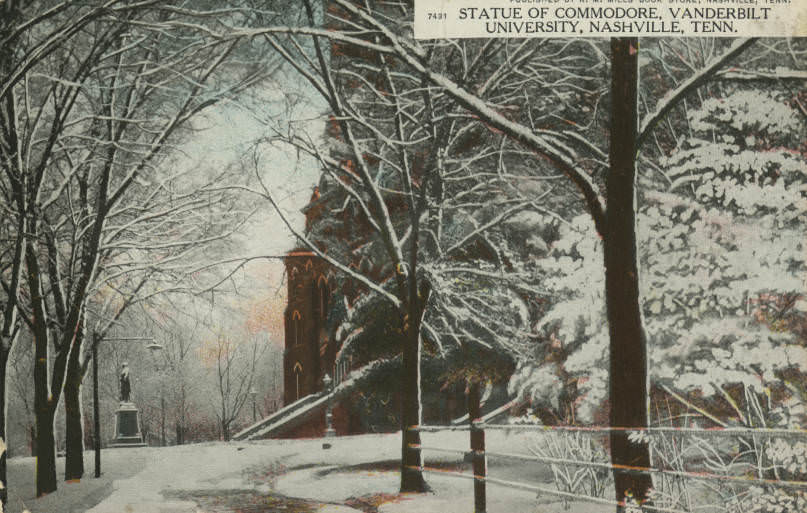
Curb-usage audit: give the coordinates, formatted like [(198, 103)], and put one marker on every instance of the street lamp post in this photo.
[(154, 347), (330, 432), (96, 407)]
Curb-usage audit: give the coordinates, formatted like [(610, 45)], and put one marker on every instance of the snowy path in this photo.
[(71, 497), (177, 479), (147, 480)]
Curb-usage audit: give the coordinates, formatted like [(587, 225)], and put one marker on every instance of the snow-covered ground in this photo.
[(116, 464), (163, 480)]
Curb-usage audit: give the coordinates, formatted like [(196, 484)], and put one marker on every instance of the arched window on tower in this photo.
[(296, 328), (298, 379), (322, 293)]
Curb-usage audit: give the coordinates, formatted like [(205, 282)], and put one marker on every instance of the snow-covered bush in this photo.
[(575, 446), (790, 457), (722, 257), (776, 500)]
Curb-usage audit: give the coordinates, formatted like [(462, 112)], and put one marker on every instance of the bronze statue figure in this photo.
[(125, 384)]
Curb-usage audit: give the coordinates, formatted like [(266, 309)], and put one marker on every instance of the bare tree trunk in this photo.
[(45, 444), (411, 409), (45, 453), (225, 431), (45, 450), (46, 392), (411, 460), (44, 413), (628, 350), (4, 353), (74, 425)]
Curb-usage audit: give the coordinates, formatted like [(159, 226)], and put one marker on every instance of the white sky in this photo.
[(225, 136)]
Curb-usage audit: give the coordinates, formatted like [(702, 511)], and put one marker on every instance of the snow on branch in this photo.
[(698, 79)]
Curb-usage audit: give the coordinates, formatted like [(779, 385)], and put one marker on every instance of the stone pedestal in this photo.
[(127, 427)]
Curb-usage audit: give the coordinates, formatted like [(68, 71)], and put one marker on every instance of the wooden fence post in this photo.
[(477, 448)]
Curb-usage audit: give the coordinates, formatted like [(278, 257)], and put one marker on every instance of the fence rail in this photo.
[(479, 456), (533, 488), (765, 432), (706, 476)]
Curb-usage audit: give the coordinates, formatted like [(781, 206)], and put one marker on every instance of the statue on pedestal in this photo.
[(125, 385), (127, 418)]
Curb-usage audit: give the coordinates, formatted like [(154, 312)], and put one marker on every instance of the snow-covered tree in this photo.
[(722, 261), (90, 113), (744, 166)]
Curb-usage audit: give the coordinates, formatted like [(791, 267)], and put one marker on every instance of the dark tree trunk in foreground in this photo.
[(43, 411), (412, 460), (411, 407), (74, 422), (45, 441), (628, 352), (3, 410), (45, 403), (96, 421), (477, 447), (47, 389), (45, 453)]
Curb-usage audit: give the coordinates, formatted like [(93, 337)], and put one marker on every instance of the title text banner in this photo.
[(435, 19)]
